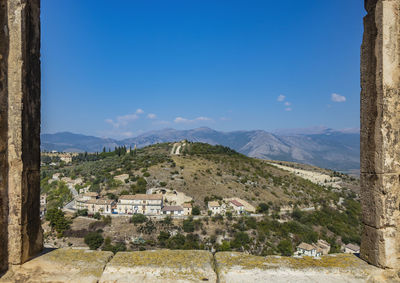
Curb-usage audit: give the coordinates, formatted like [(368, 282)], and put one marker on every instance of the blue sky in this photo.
[(119, 68)]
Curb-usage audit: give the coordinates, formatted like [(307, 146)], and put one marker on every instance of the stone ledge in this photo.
[(161, 266), (62, 265), (69, 265), (238, 268)]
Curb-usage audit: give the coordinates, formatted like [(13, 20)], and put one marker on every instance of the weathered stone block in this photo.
[(235, 267), (380, 75), (380, 247), (380, 200), (23, 129), (163, 266), (63, 265), (3, 137)]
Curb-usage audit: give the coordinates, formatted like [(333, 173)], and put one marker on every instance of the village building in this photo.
[(351, 249), (140, 203), (237, 206), (66, 158), (308, 250), (214, 207), (81, 200), (324, 246), (90, 196), (172, 210), (103, 206), (187, 208)]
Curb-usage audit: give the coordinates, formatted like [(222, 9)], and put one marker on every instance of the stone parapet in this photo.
[(69, 265)]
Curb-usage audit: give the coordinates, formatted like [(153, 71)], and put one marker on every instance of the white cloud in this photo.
[(288, 109), (181, 120), (139, 111), (338, 98), (281, 98), (287, 103), (122, 121), (203, 119), (152, 116)]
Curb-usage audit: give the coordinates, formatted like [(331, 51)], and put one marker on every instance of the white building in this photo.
[(103, 206), (187, 208), (237, 206), (90, 196), (81, 202), (351, 249), (172, 210), (324, 246), (214, 207), (140, 203), (308, 250)]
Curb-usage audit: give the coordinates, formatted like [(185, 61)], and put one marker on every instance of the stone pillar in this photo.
[(3, 137), (380, 133), (20, 233)]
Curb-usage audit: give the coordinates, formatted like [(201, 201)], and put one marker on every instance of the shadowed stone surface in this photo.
[(164, 266), (3, 136), (238, 268), (63, 265), (380, 133), (23, 130)]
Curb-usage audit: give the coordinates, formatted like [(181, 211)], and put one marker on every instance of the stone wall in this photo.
[(380, 133), (3, 135), (20, 131), (166, 266)]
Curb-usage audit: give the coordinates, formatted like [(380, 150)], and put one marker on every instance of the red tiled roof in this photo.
[(236, 203)]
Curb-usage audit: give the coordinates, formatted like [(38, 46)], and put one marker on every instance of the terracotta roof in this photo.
[(213, 204), (305, 246), (236, 203), (172, 208), (141, 197), (187, 205), (101, 201), (353, 247)]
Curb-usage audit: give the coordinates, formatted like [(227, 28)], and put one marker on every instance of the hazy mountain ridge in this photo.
[(327, 148)]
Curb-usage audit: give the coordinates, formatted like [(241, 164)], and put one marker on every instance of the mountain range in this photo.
[(322, 147)]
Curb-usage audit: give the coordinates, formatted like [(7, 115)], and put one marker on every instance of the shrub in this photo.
[(57, 220), (188, 225), (196, 210), (94, 240), (138, 219), (82, 212), (285, 247), (241, 239), (262, 208), (97, 216)]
